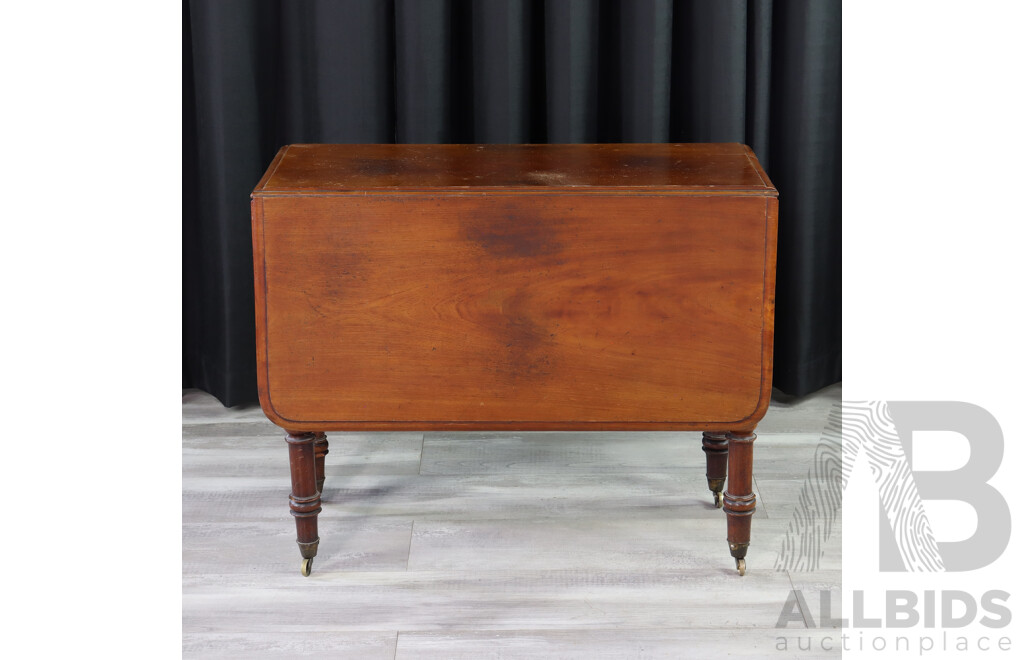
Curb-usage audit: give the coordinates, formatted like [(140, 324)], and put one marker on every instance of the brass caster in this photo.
[(741, 566), (307, 567), (718, 499)]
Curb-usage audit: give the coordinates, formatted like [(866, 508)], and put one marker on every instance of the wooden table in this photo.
[(602, 287)]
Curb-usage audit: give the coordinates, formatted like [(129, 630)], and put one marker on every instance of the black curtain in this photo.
[(262, 73)]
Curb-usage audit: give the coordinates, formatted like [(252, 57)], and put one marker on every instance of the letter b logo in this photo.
[(967, 484)]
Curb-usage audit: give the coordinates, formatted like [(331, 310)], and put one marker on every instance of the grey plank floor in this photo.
[(491, 545)]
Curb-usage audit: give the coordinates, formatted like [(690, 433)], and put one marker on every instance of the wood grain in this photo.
[(631, 644), (258, 644), (575, 311), (518, 287), (344, 168), (496, 600)]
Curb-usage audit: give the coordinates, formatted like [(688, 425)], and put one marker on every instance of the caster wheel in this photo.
[(307, 567), (718, 499), (741, 566)]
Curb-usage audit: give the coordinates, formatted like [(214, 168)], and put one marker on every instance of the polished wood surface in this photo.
[(321, 448), (716, 452), (518, 287), (740, 501), (304, 500), (346, 168), (533, 307)]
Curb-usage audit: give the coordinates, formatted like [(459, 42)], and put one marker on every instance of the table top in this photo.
[(699, 168)]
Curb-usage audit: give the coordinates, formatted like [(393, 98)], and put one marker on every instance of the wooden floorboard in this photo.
[(646, 644), (255, 644), (491, 545)]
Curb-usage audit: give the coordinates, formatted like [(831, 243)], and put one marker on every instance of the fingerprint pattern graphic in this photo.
[(853, 428), (819, 506)]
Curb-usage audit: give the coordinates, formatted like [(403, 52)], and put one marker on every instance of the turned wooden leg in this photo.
[(305, 498), (320, 447), (716, 450), (739, 496)]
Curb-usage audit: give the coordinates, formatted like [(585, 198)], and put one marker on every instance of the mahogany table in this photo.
[(605, 287)]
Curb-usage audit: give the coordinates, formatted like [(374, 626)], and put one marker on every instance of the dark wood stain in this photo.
[(516, 287), (527, 355), (353, 167), (457, 308), (379, 166), (512, 232)]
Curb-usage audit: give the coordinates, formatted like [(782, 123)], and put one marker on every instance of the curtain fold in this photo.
[(805, 138), (506, 47), (571, 41), (709, 65), (262, 73), (337, 59), (423, 71), (644, 43)]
